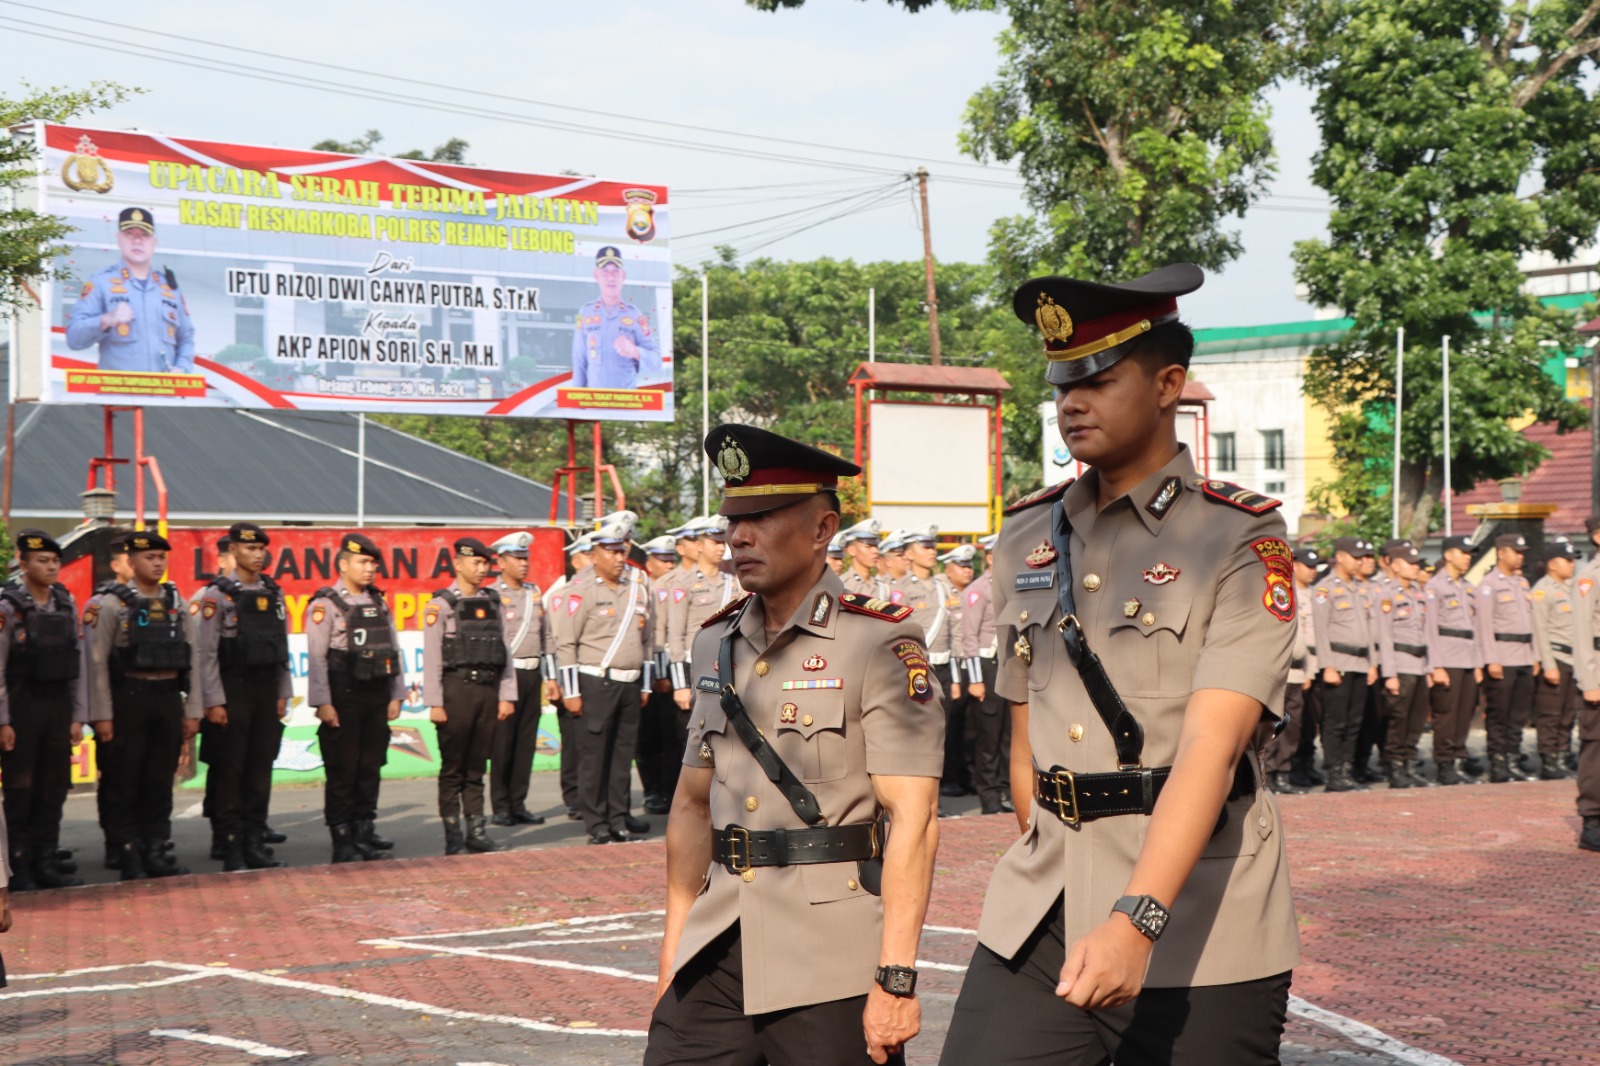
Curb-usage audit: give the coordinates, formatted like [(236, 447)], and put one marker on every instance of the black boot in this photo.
[(1499, 772), (1278, 781), (1365, 774), (1339, 780), (1550, 768), (365, 847), (1449, 773), (1298, 777), (1418, 778), (1472, 766), (113, 856), (272, 836), (1589, 839), (131, 863), (634, 825), (1397, 776), (219, 846), (257, 855), (1571, 760), (232, 853), (48, 874), (367, 833), (1514, 767), (22, 868), (344, 843), (158, 862), (59, 859), (454, 842), (477, 839)]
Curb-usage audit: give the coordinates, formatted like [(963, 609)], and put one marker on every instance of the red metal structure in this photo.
[(568, 475), (109, 462)]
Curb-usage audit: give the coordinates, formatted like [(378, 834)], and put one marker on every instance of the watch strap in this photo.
[(1146, 913)]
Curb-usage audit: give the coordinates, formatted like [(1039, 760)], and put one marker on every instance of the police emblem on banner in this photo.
[(85, 170), (641, 223)]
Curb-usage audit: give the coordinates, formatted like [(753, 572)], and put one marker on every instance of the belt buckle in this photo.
[(1056, 777), (734, 832), (1072, 619)]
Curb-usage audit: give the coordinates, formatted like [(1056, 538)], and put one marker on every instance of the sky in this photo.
[(886, 86)]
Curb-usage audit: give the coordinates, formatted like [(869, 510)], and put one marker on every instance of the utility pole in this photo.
[(927, 262)]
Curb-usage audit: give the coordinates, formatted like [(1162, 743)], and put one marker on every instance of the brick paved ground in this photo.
[(1461, 923)]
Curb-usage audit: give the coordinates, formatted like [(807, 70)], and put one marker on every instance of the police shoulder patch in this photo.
[(856, 603), (725, 612), (1244, 499), (1042, 496)]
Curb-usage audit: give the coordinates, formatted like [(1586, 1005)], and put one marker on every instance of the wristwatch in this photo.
[(1147, 916), (897, 980)]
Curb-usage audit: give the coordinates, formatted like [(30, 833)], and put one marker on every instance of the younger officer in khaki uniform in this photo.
[(1454, 660), (242, 657), (988, 714), (935, 607), (44, 704), (1555, 697), (660, 736), (774, 923), (861, 545), (1586, 664), (1505, 640), (604, 652), (1403, 660), (1345, 644), (142, 665), (532, 651), (700, 593), (468, 683), (1140, 758), (356, 682), (1281, 749)]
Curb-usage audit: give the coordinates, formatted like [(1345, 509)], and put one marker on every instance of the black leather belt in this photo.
[(739, 849), (1459, 634), (1349, 649), (1297, 664), (1076, 798), (1413, 649), (1597, 643), (1564, 649), (1514, 638)]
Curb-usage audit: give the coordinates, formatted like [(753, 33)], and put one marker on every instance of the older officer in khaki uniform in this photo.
[(815, 714), (1150, 616), (1555, 599), (1505, 640), (532, 651), (1403, 662), (1586, 664), (1345, 643), (1453, 658), (604, 650)]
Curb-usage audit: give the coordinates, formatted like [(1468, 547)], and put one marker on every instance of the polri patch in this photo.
[(1044, 579)]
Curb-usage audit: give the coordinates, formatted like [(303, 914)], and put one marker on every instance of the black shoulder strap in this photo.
[(17, 600), (270, 585), (228, 586), (449, 595), (326, 592), (127, 594), (1126, 732), (800, 798)]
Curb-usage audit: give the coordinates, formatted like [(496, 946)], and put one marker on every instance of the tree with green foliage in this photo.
[(453, 150), (30, 241), (1456, 139)]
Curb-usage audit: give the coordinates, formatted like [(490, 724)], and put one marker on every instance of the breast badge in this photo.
[(787, 714), (1023, 650), (1162, 574), (705, 753), (1042, 556), (815, 663)]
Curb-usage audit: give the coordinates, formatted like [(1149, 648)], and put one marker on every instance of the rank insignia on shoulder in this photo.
[(1041, 496), (856, 603), (1244, 499), (725, 612)]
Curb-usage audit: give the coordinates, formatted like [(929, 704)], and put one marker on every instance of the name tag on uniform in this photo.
[(1038, 579), (708, 683)]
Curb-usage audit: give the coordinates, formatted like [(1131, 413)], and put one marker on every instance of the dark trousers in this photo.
[(1588, 759), (464, 740), (1554, 709), (1508, 702), (1305, 752), (647, 745), (956, 771), (674, 740), (1342, 707), (141, 760), (1008, 1013), (565, 725), (36, 772), (242, 753), (1453, 707), (1279, 747), (1405, 716), (511, 753), (988, 718), (1370, 731), (353, 755), (700, 1021), (604, 735)]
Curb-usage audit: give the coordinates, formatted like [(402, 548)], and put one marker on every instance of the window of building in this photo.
[(1224, 454), (1276, 488), (1272, 457)]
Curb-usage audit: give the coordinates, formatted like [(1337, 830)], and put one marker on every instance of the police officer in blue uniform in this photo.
[(613, 344), (133, 311)]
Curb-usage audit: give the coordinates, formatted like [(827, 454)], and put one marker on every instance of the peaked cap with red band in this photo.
[(1089, 325), (764, 471)]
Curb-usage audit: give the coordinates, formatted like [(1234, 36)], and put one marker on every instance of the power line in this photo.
[(875, 191)]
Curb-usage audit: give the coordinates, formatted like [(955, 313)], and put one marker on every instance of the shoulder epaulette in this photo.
[(1244, 499), (1043, 495), (726, 611), (856, 603)]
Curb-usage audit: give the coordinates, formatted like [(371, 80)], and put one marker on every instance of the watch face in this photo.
[(1152, 916)]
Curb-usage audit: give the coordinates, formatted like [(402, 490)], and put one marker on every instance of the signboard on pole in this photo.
[(213, 274)]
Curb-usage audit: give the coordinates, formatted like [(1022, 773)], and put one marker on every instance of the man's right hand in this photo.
[(328, 716), (684, 698), (1496, 671), (8, 738), (102, 731), (1441, 677), (217, 715), (574, 705), (1331, 677), (436, 715), (1392, 686), (120, 315)]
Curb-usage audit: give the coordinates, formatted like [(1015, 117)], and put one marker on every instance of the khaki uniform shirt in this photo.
[(1193, 596), (1451, 605), (10, 622), (590, 616), (1402, 631), (106, 622), (327, 631), (1586, 630), (1344, 626), (810, 934), (526, 622), (936, 608), (873, 586), (977, 625), (1303, 657), (1554, 604), (696, 599), (663, 587), (1505, 609), (219, 619), (439, 621)]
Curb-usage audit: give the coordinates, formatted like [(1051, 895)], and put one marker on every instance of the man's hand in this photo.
[(436, 715), (1372, 675), (1552, 677), (1105, 968), (977, 691), (574, 705), (191, 728), (5, 910), (8, 738), (120, 315), (217, 715), (283, 709), (1331, 677), (644, 697), (627, 349), (684, 698), (889, 1022), (552, 692), (955, 691), (1496, 671), (1306, 684), (328, 715), (102, 731), (1477, 674), (393, 710), (505, 710), (1591, 695), (1441, 677), (1392, 686)]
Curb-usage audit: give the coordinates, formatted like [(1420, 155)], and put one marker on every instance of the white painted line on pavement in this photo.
[(74, 973), (559, 923), (564, 943), (553, 964), (1366, 1035), (125, 986), (265, 1051)]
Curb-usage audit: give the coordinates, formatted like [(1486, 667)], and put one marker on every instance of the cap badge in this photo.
[(1053, 320), (732, 461), (352, 546)]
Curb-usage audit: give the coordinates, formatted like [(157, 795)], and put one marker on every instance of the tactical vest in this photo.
[(157, 639), (371, 655), (479, 641), (44, 648), (260, 638)]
